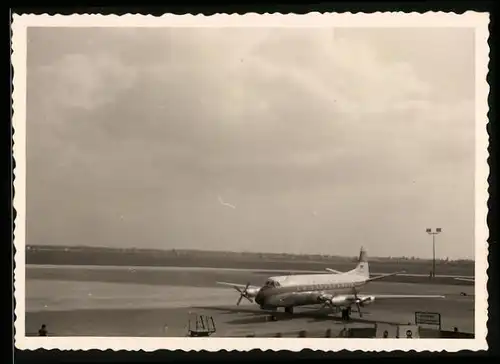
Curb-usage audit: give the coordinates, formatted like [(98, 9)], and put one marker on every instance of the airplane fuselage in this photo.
[(303, 290)]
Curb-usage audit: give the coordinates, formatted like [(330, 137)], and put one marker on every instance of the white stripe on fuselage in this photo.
[(341, 280)]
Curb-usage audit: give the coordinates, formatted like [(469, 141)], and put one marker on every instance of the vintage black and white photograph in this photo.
[(251, 177)]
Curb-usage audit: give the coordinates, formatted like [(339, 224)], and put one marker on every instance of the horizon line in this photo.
[(239, 252)]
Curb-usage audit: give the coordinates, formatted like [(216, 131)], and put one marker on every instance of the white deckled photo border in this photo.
[(478, 21)]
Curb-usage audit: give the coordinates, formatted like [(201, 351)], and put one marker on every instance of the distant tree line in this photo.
[(33, 249)]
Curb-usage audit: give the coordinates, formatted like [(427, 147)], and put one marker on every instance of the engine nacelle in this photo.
[(334, 300), (339, 301), (343, 301), (252, 292), (367, 300)]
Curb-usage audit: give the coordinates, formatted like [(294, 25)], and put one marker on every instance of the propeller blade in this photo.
[(243, 293), (357, 300), (359, 310), (328, 304)]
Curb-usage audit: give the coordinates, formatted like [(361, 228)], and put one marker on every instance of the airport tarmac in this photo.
[(193, 276), (135, 307)]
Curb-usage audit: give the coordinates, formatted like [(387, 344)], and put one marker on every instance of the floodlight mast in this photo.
[(433, 233)]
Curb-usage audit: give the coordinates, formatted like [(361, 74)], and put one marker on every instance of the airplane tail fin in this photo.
[(362, 268)]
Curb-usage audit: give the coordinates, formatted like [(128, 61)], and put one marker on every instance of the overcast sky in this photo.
[(322, 140)]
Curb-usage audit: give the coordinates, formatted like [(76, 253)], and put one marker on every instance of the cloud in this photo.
[(156, 122)]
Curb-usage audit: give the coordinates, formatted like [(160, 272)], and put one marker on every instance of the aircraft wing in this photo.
[(384, 276), (395, 296), (238, 285), (340, 300), (465, 279), (336, 302)]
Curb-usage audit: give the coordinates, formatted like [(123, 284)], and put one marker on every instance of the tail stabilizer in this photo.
[(362, 268)]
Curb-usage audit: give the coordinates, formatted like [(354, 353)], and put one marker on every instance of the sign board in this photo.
[(408, 332), (386, 331), (428, 318)]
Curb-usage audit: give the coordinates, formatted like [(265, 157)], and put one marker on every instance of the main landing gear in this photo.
[(288, 311), (346, 314)]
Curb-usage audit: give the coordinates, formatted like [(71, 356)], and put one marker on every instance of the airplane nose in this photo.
[(259, 299)]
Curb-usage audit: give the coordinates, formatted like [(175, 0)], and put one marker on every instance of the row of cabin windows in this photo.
[(315, 286), (327, 286)]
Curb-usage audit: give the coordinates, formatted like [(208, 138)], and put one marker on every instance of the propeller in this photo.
[(357, 301), (243, 293), (327, 302)]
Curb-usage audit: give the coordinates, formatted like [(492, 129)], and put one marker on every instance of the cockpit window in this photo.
[(271, 283)]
